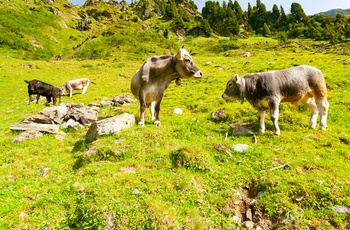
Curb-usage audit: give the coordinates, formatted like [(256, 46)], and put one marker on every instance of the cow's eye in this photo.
[(187, 60), (230, 85)]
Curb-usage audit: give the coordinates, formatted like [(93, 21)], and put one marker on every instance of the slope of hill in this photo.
[(98, 29), (335, 12)]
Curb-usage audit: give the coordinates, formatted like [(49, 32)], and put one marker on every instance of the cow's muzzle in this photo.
[(198, 74), (227, 97)]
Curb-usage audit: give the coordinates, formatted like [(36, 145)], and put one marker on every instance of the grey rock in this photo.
[(28, 134), (236, 219), (240, 147), (90, 152), (136, 192), (35, 127), (38, 118), (248, 224), (44, 171), (245, 54), (55, 113), (110, 125), (218, 114), (341, 209)]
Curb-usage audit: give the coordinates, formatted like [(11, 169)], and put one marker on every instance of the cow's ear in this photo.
[(179, 54), (236, 78)]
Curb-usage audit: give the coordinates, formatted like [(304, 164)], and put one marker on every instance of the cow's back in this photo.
[(289, 82), (135, 84)]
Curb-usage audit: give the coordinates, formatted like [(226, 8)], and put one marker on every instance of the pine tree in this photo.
[(266, 30), (297, 12), (275, 15), (239, 12), (206, 27)]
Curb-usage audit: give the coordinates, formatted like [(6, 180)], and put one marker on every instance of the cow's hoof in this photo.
[(141, 123), (312, 126), (277, 133), (261, 130), (157, 123)]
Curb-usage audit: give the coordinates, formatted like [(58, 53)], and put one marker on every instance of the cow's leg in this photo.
[(262, 114), (37, 98), (30, 98), (70, 89), (85, 87), (54, 100), (143, 107), (153, 113), (157, 109), (274, 110), (310, 103), (48, 100), (323, 106)]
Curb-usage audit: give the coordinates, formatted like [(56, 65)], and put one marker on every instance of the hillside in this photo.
[(98, 29), (335, 12)]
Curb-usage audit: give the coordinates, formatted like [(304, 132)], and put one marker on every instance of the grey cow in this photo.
[(155, 75), (265, 91)]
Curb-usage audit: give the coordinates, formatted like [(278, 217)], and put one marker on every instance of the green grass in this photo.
[(183, 180)]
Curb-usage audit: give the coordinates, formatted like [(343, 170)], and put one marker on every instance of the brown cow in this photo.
[(265, 91), (81, 83), (155, 75)]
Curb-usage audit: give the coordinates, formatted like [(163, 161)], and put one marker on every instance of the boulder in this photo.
[(110, 125), (49, 128), (55, 113), (38, 118), (245, 54), (28, 134)]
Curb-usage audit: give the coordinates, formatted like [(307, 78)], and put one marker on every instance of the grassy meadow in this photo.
[(174, 176)]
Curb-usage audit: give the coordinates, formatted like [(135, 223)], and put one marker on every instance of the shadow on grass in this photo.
[(78, 146), (95, 154)]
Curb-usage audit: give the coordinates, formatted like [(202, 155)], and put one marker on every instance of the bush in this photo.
[(227, 44), (190, 159)]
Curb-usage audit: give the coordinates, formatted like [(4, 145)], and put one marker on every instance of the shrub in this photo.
[(227, 44), (190, 159)]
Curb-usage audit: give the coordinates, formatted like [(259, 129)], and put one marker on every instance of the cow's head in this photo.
[(33, 84), (235, 89), (62, 90), (185, 65)]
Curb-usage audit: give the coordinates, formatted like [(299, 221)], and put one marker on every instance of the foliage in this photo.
[(99, 29), (27, 29), (226, 19)]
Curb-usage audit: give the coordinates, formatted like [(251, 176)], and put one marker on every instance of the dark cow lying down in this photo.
[(43, 89), (155, 75), (265, 91)]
